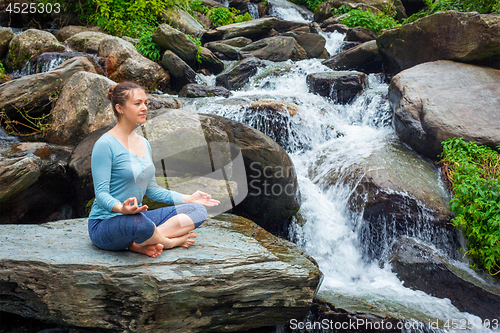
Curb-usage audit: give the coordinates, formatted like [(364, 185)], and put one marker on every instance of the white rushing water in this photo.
[(289, 11), (325, 138)]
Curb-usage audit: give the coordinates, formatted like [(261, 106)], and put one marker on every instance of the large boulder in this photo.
[(313, 44), (279, 48), (198, 90), (449, 35), (438, 100), (35, 92), (126, 64), (240, 74), (224, 51), (180, 72), (359, 34), (424, 268), (171, 39), (34, 185), (341, 87), (273, 191), (29, 43), (6, 36), (209, 61), (253, 29), (87, 41), (396, 191), (363, 57), (81, 108), (183, 21), (236, 41), (235, 270), (71, 30)]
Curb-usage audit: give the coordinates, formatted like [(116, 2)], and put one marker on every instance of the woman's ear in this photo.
[(119, 108)]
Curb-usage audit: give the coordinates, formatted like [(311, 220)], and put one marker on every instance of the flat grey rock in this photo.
[(234, 271)]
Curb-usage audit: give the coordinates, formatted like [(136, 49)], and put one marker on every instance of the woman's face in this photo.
[(135, 110)]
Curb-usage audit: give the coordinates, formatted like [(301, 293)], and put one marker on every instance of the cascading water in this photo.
[(326, 138), (289, 11), (253, 10)]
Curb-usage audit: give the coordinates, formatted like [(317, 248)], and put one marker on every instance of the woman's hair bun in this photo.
[(110, 91)]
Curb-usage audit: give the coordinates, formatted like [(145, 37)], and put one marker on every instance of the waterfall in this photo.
[(253, 10), (289, 11), (326, 138)]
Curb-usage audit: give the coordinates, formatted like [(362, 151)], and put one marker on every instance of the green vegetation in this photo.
[(198, 6), (473, 173), (224, 16), (434, 6), (366, 19), (3, 77), (146, 46), (197, 41)]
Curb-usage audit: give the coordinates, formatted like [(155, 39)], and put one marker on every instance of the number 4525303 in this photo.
[(32, 8)]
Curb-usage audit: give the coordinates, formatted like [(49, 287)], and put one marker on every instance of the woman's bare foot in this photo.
[(184, 240), (153, 250)]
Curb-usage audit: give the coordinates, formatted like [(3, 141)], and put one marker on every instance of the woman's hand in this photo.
[(203, 198), (134, 209)]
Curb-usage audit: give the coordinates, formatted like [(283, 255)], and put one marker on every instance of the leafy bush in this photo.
[(366, 19), (224, 16), (311, 4), (197, 41), (474, 174), (198, 6), (147, 47)]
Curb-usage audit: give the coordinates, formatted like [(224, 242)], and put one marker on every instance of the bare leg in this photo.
[(168, 243), (176, 226)]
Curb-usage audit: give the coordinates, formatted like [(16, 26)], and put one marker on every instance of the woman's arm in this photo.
[(101, 162)]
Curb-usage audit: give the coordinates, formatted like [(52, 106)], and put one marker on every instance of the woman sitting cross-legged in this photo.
[(123, 172)]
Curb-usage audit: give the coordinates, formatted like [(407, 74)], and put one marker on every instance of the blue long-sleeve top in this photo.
[(118, 175)]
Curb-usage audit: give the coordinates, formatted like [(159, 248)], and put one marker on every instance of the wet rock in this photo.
[(279, 48), (81, 108), (180, 19), (79, 169), (156, 102), (349, 45), (443, 99), (423, 268), (29, 43), (340, 28), (35, 92), (184, 290), (342, 87), (253, 29), (236, 41), (126, 64), (363, 57), (397, 192), (71, 30), (239, 75), (171, 39), (180, 72), (34, 186), (273, 192), (210, 61), (212, 3), (313, 44), (274, 116), (360, 34), (6, 36), (198, 90), (227, 51), (87, 41), (448, 35)]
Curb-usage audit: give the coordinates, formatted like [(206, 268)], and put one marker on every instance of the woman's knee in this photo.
[(199, 214), (144, 229)]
